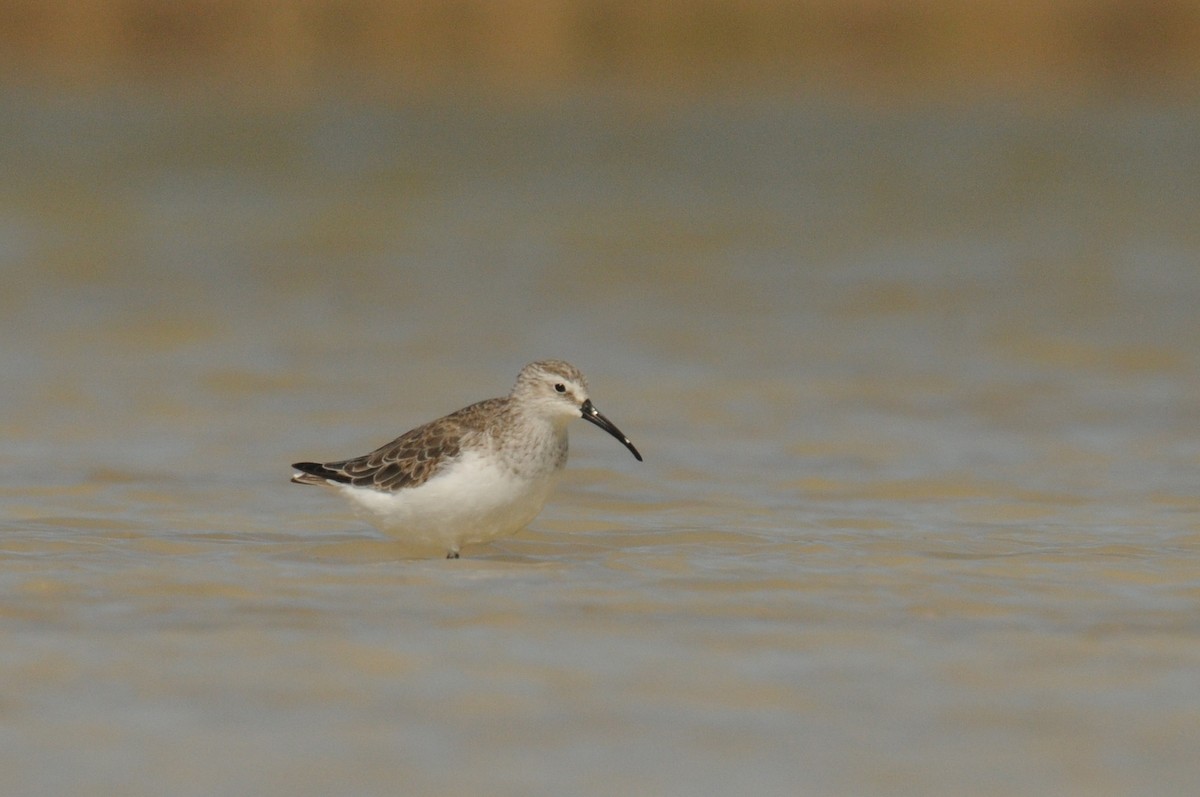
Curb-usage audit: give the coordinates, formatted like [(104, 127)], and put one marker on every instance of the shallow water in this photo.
[(918, 392)]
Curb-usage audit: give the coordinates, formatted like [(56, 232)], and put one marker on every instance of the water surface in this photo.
[(918, 392)]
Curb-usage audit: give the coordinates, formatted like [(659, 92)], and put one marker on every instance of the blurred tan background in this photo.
[(284, 49)]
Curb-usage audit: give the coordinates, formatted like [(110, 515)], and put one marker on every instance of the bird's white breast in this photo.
[(476, 499)]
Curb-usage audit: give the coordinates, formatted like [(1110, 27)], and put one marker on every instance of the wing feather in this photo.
[(412, 458)]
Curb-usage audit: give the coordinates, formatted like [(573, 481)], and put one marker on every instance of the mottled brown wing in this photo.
[(415, 456)]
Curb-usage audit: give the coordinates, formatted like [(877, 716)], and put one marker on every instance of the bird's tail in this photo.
[(315, 473)]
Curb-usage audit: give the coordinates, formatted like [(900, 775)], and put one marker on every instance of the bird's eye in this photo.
[(560, 388)]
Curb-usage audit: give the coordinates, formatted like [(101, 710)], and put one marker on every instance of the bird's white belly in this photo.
[(477, 499)]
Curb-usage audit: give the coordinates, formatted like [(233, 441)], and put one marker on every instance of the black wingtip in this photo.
[(320, 471)]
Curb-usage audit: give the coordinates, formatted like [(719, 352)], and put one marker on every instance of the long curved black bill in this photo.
[(590, 413)]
